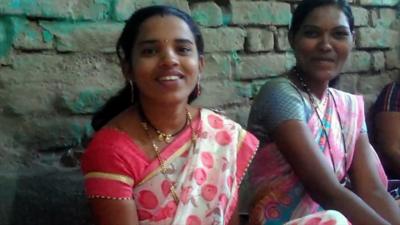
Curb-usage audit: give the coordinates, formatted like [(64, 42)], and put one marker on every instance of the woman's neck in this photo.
[(166, 118), (318, 88)]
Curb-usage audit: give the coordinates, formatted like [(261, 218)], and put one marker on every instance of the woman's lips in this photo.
[(170, 81), (324, 59), (169, 78)]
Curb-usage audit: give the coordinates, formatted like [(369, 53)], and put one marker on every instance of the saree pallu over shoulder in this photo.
[(356, 111), (206, 176), (279, 196)]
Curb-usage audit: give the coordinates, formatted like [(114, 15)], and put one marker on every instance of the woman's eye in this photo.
[(148, 51), (184, 50), (341, 34), (310, 33)]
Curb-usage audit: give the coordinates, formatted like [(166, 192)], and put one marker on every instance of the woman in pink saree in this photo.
[(156, 159), (313, 136), (205, 172)]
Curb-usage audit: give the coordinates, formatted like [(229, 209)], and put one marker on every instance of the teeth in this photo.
[(169, 78)]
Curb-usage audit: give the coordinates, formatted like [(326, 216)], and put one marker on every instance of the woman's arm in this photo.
[(367, 184), (387, 138), (115, 212), (295, 141)]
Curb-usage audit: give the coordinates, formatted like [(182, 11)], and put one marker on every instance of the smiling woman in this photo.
[(314, 137), (167, 60), (155, 159)]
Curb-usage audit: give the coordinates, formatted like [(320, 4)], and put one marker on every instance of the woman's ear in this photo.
[(201, 63)]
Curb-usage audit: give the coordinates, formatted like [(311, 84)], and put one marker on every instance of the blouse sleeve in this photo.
[(277, 102), (107, 171)]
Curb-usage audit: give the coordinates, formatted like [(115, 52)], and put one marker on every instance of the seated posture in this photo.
[(313, 138), (156, 159), (386, 128)]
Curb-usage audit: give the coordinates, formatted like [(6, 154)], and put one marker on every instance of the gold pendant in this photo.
[(164, 137), (160, 137), (167, 138)]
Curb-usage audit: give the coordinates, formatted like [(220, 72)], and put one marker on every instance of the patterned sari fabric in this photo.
[(206, 176), (329, 217), (279, 196)]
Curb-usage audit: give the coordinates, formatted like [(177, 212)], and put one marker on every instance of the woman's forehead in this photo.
[(326, 16), (164, 27)]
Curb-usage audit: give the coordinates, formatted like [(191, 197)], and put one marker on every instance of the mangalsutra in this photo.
[(162, 136), (324, 129), (156, 150), (167, 138)]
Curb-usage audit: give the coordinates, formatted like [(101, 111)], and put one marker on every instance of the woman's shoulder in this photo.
[(216, 117), (353, 103), (110, 139), (345, 95), (116, 136), (391, 85), (120, 132), (280, 81), (219, 121), (112, 146), (108, 133), (280, 85), (102, 147), (388, 98), (390, 89), (276, 90)]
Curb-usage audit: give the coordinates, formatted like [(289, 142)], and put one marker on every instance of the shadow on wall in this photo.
[(43, 197)]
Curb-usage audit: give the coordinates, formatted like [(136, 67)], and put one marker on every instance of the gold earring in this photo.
[(198, 88)]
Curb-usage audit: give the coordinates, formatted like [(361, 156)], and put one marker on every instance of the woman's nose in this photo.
[(325, 43), (168, 58)]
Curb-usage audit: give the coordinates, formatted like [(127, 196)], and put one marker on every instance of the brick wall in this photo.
[(58, 66)]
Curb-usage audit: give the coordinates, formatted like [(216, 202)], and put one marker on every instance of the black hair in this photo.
[(307, 6), (125, 44)]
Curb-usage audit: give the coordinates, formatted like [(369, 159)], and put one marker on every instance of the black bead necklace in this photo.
[(162, 136), (315, 108)]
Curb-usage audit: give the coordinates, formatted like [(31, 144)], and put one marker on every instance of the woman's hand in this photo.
[(115, 212)]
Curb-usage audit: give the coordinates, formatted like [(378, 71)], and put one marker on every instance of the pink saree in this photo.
[(329, 217), (206, 177), (279, 195)]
